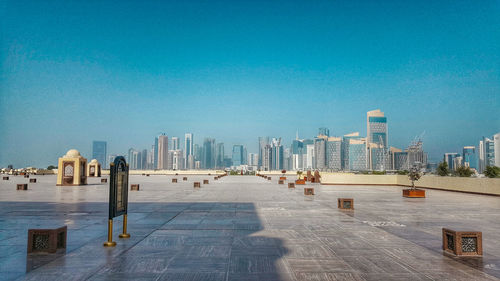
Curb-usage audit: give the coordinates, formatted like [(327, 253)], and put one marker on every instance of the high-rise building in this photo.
[(99, 152), (324, 132), (155, 154), (276, 154), (144, 159), (449, 158), (357, 154), (310, 158), (376, 128), (219, 156), (334, 153), (263, 141), (253, 159), (208, 161), (237, 155), (320, 152), (469, 157), (496, 148), (198, 153), (267, 157), (163, 152), (345, 148), (297, 152), (177, 160), (175, 143), (188, 150)]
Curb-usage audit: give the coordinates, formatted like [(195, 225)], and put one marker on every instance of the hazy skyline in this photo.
[(74, 72)]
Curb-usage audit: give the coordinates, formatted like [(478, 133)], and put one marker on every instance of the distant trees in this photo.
[(464, 171), (51, 167), (492, 172), (442, 169)]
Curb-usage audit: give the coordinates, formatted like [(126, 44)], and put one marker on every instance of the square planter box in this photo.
[(184, 178), (134, 187), (26, 176), (205, 181), (291, 185), (414, 193), (32, 180), (268, 178), (22, 186), (196, 184), (281, 182), (463, 243), (345, 203), (5, 178), (216, 178), (283, 178), (174, 180), (147, 175), (104, 180), (47, 240), (309, 191)]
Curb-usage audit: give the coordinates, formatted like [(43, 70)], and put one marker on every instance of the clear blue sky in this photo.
[(123, 71)]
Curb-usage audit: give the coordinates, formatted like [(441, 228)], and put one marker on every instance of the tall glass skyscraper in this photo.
[(324, 132), (163, 152), (237, 155), (208, 161), (99, 152), (219, 156), (188, 149), (376, 127), (469, 157)]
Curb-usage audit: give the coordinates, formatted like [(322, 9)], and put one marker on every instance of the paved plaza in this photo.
[(245, 228)]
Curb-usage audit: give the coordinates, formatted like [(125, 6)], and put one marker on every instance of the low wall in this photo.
[(470, 185), (169, 172)]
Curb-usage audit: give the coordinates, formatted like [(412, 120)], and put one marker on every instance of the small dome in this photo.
[(94, 161), (72, 153)]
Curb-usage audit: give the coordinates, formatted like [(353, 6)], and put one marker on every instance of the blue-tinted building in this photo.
[(99, 152), (237, 155), (449, 158), (469, 157)]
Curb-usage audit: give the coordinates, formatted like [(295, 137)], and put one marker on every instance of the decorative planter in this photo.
[(174, 180), (308, 191), (291, 185), (32, 180), (26, 176), (345, 203), (5, 178), (268, 178), (185, 178), (196, 184), (104, 180), (281, 182), (414, 193), (47, 240), (205, 181), (22, 186), (283, 178), (463, 243), (300, 182), (134, 187)]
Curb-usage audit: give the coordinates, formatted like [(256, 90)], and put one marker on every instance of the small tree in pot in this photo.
[(414, 175)]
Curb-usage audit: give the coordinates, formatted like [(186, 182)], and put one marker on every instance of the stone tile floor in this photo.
[(245, 228)]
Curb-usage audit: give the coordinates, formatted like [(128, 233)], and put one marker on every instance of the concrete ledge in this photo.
[(469, 185)]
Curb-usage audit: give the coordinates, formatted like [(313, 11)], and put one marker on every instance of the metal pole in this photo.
[(124, 234), (110, 242)]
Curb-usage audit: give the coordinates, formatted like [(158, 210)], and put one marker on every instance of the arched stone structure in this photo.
[(94, 168), (71, 169)]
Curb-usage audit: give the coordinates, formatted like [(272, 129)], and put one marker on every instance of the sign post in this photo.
[(118, 197)]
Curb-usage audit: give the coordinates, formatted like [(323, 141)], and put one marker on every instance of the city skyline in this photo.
[(237, 71)]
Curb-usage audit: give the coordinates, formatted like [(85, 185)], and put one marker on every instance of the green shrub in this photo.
[(492, 172), (464, 171), (442, 169)]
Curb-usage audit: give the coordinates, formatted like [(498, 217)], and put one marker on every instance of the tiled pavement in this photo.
[(245, 228)]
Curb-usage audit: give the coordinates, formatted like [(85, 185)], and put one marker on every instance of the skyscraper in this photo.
[(449, 158), (219, 156), (334, 153), (188, 150), (155, 154), (175, 143), (469, 157), (276, 154), (267, 158), (163, 152), (99, 152), (345, 148), (496, 148), (237, 155), (357, 154), (320, 152), (376, 127), (263, 141), (324, 132), (208, 161)]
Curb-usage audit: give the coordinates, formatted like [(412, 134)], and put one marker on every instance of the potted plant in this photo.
[(414, 175)]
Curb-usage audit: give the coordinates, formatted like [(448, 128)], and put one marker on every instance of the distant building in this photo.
[(320, 152), (253, 159), (449, 158), (219, 156), (99, 152), (334, 153), (163, 152), (177, 160), (310, 159), (208, 160), (486, 154), (469, 158), (357, 154), (263, 141), (175, 143), (276, 154), (324, 132), (237, 155), (345, 148), (496, 148), (267, 158), (155, 154), (188, 150)]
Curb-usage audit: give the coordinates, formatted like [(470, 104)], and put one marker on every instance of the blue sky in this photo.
[(124, 71)]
